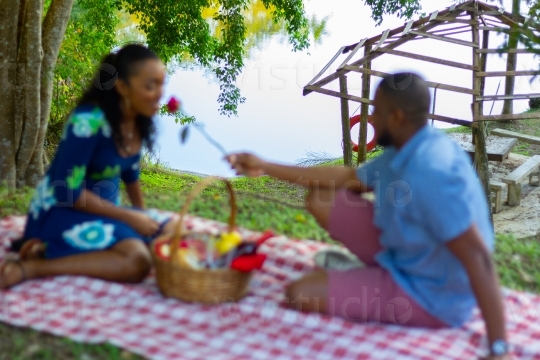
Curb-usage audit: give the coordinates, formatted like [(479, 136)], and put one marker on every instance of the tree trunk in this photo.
[(513, 39), (54, 28), (28, 54), (29, 67), (9, 11)]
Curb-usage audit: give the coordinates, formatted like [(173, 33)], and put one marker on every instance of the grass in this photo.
[(263, 203), (27, 344)]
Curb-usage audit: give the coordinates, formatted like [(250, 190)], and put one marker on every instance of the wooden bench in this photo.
[(497, 148), (512, 134), (496, 187), (529, 168)]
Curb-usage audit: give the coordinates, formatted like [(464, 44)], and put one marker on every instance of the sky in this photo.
[(279, 124)]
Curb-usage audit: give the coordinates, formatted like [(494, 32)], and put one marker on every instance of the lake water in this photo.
[(280, 124)]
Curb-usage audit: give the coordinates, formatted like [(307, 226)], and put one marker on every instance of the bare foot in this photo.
[(11, 273), (32, 249)]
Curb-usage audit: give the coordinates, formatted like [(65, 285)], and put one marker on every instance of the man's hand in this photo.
[(246, 164)]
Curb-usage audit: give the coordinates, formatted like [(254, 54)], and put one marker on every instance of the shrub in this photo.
[(534, 103)]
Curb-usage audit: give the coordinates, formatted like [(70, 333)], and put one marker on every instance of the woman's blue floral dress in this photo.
[(87, 158)]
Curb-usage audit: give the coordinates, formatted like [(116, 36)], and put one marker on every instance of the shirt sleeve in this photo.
[(445, 205), (371, 171), (132, 173), (81, 136)]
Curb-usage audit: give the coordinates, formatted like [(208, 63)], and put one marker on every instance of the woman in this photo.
[(73, 216)]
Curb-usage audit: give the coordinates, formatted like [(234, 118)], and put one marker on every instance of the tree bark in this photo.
[(28, 53), (54, 29), (9, 10), (32, 53), (513, 40)]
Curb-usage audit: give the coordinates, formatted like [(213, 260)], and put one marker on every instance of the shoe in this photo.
[(334, 259)]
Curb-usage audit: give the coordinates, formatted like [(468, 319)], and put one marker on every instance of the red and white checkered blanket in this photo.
[(139, 319)]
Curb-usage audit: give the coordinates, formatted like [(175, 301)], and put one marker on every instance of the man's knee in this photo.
[(308, 293)]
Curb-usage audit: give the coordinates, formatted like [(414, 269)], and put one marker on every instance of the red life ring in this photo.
[(370, 145)]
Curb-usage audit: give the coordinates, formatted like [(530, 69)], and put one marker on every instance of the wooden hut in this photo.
[(474, 17)]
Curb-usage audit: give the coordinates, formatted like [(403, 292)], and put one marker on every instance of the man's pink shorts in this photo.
[(367, 294)]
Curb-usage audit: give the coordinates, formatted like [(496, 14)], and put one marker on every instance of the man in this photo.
[(427, 238)]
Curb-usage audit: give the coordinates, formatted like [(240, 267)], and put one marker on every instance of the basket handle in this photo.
[(175, 244)]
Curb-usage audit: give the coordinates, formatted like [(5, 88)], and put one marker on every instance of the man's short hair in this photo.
[(408, 92)]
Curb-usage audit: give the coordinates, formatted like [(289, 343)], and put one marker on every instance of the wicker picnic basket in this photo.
[(199, 285)]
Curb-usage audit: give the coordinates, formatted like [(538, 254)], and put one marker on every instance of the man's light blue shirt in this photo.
[(426, 194)]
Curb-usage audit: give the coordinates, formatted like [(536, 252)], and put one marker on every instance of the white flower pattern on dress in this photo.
[(43, 198), (87, 124), (81, 125), (90, 235)]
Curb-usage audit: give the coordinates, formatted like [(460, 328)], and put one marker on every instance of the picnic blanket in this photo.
[(139, 319)]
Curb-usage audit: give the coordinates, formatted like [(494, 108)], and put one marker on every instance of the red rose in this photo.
[(173, 105)]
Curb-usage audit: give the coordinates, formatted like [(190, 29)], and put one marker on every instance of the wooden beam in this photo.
[(508, 117), (339, 52), (503, 51), (508, 73), (339, 95), (360, 44), (442, 38), (430, 84), (450, 120), (345, 122), (478, 131), (455, 32), (454, 20), (496, 29), (427, 58), (508, 97), (492, 13), (462, 27), (364, 112), (507, 30)]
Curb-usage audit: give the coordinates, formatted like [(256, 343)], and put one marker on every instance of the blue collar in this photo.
[(408, 149)]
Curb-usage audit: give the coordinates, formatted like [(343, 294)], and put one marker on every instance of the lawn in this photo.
[(263, 203)]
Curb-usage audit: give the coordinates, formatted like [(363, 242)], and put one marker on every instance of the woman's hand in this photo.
[(142, 223), (246, 164)]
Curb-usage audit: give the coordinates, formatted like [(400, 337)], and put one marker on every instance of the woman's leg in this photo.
[(127, 261)]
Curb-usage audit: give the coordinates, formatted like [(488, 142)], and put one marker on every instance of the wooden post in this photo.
[(478, 128), (345, 123), (364, 112)]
